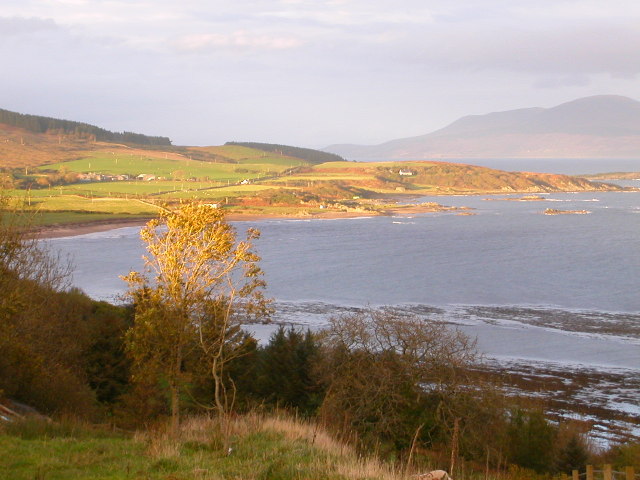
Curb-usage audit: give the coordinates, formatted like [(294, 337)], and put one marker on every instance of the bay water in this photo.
[(534, 289), (518, 279)]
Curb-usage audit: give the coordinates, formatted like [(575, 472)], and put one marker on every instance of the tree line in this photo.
[(383, 380), (40, 124), (308, 154)]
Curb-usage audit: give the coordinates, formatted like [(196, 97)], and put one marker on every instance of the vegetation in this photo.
[(272, 447), (308, 154), (53, 353), (188, 308), (64, 170), (38, 124), (388, 385)]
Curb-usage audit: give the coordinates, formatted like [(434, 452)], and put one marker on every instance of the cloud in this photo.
[(583, 50), (15, 26), (554, 82), (239, 40), (368, 69)]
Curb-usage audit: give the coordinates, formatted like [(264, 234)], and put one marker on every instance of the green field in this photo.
[(75, 203), (236, 175), (136, 187), (217, 192), (261, 449), (246, 155), (118, 164), (62, 217)]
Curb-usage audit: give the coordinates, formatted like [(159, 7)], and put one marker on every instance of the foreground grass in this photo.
[(256, 448)]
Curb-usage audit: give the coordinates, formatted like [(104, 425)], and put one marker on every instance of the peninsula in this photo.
[(73, 173)]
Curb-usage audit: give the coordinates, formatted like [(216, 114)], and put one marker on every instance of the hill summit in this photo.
[(602, 126)]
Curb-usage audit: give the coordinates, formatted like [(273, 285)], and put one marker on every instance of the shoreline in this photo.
[(58, 230), (82, 228)]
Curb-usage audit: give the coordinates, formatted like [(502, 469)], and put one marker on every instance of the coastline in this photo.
[(82, 228), (73, 229)]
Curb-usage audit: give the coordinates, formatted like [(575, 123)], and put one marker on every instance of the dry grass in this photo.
[(283, 447), (263, 447), (339, 456)]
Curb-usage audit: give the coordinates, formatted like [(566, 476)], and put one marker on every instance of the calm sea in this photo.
[(529, 286), (519, 280), (557, 291)]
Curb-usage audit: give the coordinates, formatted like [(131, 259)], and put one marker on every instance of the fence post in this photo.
[(607, 472), (589, 472), (630, 473), (575, 474)]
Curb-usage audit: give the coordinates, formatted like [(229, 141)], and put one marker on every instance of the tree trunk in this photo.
[(175, 409), (218, 388), (174, 386), (454, 446)]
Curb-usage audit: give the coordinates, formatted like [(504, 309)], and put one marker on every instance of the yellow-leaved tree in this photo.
[(199, 284)]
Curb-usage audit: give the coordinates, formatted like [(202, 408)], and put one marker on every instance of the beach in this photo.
[(82, 228)]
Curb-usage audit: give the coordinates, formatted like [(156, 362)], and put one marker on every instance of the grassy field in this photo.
[(136, 187), (258, 448), (217, 192), (261, 182), (245, 155), (119, 164), (82, 204), (64, 217)]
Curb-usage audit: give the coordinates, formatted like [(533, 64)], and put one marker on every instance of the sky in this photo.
[(308, 72)]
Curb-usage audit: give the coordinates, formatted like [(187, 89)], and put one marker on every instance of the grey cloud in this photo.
[(13, 26), (240, 40), (586, 50), (384, 69), (553, 82)]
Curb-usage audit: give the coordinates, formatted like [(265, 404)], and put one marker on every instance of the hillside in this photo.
[(40, 124), (20, 147), (423, 177), (308, 154), (75, 178), (267, 448), (605, 126)]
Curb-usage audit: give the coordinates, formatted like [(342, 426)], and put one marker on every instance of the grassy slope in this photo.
[(261, 448), (444, 177), (614, 176), (19, 148), (132, 164)]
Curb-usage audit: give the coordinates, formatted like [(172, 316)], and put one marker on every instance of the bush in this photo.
[(286, 377)]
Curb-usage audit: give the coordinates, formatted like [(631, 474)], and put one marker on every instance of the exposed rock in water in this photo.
[(553, 211)]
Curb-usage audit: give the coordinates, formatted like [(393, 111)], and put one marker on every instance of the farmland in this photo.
[(80, 180)]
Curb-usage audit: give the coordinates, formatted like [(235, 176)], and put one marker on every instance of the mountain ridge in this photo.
[(601, 126)]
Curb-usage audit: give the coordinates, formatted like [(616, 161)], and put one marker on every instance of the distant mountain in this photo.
[(603, 126)]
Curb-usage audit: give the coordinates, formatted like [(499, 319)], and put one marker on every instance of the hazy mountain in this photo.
[(603, 126)]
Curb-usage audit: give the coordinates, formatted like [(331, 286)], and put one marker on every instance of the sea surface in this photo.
[(506, 265), (561, 291)]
